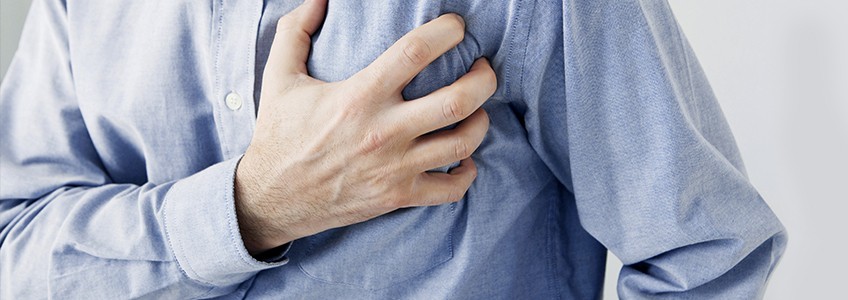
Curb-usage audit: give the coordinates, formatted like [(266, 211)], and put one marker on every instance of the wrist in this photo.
[(255, 231)]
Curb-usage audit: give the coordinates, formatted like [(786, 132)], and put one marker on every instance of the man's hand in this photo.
[(327, 155)]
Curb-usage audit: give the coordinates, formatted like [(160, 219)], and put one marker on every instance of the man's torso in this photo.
[(157, 113)]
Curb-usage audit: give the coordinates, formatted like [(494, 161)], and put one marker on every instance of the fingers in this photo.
[(412, 53), (450, 104), (290, 50), (434, 188), (444, 147)]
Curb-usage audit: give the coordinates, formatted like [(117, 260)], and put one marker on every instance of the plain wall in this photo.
[(12, 15), (780, 71)]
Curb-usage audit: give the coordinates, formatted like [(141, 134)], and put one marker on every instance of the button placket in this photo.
[(235, 41)]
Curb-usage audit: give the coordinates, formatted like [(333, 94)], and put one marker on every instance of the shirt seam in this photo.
[(526, 43), (680, 39), (219, 91), (508, 65)]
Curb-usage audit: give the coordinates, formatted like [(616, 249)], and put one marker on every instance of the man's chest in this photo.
[(184, 77)]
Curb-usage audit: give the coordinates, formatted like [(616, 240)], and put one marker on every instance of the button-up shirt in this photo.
[(122, 123)]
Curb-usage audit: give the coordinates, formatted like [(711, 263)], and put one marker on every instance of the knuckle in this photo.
[(286, 22), (301, 37), (461, 149), (453, 107), (288, 32), (289, 27), (375, 140), (416, 51)]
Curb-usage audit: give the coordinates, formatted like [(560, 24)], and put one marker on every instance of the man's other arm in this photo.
[(631, 126), (68, 230)]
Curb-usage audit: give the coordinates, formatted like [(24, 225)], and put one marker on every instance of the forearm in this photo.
[(178, 239)]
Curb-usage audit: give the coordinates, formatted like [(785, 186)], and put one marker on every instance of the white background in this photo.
[(780, 70)]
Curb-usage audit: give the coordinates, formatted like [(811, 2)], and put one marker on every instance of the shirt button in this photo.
[(233, 101)]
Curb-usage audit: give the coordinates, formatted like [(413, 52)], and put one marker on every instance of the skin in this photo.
[(331, 154)]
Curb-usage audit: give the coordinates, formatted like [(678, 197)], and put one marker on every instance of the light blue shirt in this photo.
[(119, 148)]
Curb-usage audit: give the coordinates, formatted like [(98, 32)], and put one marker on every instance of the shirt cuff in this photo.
[(276, 255), (202, 229)]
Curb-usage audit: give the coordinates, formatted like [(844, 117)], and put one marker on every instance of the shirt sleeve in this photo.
[(67, 230), (625, 118)]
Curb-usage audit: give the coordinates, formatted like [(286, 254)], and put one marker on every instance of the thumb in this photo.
[(287, 58)]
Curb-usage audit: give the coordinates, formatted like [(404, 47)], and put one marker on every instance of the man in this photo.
[(134, 164)]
